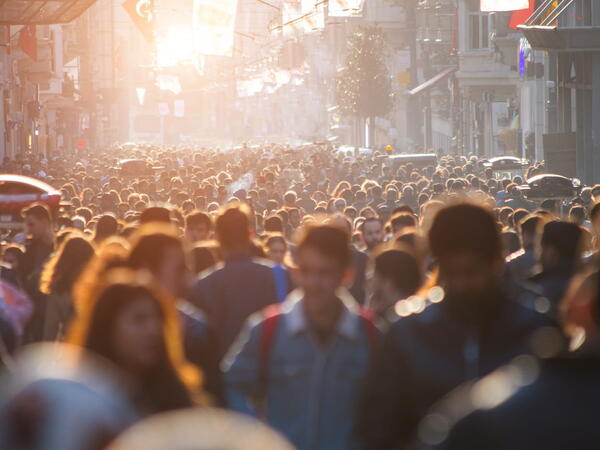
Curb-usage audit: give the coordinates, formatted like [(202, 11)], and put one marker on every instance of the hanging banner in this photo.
[(141, 95), (503, 5), (214, 26), (142, 15), (346, 8)]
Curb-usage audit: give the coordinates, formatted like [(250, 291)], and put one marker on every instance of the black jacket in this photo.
[(425, 356), (558, 411)]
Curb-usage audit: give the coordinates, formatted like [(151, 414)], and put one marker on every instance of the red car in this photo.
[(17, 192)]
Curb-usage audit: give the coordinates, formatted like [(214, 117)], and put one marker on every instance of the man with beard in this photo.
[(481, 324), (372, 233)]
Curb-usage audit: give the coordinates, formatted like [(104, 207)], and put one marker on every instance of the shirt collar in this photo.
[(348, 325)]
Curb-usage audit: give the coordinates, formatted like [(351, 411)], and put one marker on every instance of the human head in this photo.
[(131, 322), (233, 228), (528, 229), (38, 221), (13, 255), (323, 260), (397, 275), (198, 226), (158, 249), (63, 269), (155, 214), (106, 226), (560, 244), (275, 247), (372, 232), (400, 221), (577, 214), (273, 224), (465, 240)]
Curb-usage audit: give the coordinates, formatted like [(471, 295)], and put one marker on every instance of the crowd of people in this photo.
[(346, 301)]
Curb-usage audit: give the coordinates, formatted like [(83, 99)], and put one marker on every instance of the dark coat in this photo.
[(425, 356), (230, 293), (559, 410)]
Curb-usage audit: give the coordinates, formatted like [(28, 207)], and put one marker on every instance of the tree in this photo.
[(364, 90)]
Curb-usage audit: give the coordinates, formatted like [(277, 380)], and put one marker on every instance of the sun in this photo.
[(175, 47)]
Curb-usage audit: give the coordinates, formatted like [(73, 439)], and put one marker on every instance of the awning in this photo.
[(432, 81), (574, 39), (551, 27), (41, 12)]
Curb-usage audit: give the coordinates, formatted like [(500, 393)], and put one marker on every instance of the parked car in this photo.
[(550, 185), (506, 166), (18, 192)]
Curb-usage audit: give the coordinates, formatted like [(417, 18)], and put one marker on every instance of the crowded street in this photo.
[(368, 240)]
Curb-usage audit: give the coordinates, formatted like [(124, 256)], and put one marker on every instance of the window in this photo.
[(479, 28)]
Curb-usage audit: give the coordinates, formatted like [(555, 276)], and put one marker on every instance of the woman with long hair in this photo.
[(57, 281), (111, 254), (132, 323)]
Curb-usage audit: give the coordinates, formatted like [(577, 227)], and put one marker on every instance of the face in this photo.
[(467, 276), (138, 334), (276, 252), (372, 234), (197, 233), (319, 276), (35, 227), (173, 274)]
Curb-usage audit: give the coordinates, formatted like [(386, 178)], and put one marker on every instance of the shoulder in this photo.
[(416, 326)]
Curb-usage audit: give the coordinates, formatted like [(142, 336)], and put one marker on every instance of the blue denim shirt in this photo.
[(311, 393)]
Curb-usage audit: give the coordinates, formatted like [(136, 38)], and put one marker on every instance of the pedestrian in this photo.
[(38, 248), (480, 323), (300, 366), (242, 286), (157, 249), (133, 324), (60, 274)]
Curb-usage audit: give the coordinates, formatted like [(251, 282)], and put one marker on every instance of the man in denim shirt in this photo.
[(310, 369)]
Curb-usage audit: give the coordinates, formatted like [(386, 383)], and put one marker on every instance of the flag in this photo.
[(503, 5), (214, 26), (28, 41), (520, 16), (143, 17)]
